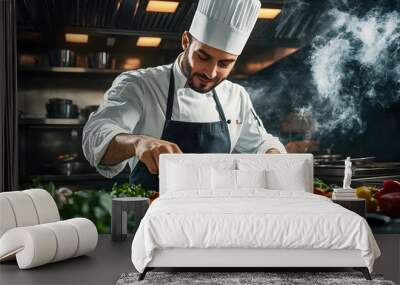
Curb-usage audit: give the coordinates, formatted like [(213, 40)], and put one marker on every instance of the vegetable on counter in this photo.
[(389, 198), (321, 188), (390, 204), (368, 193), (384, 201), (389, 186)]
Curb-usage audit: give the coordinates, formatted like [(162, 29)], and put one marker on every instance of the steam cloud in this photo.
[(355, 62)]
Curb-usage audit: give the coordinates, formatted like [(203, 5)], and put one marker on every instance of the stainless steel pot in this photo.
[(61, 108), (100, 60), (62, 57)]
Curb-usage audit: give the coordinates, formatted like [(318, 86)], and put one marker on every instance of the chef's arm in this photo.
[(109, 138), (121, 147), (117, 115)]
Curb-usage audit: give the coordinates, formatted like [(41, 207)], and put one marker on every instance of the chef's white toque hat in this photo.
[(225, 24)]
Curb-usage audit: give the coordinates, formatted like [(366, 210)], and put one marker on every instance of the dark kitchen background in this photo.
[(324, 76)]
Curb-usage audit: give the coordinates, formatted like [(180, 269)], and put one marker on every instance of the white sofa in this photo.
[(31, 231)]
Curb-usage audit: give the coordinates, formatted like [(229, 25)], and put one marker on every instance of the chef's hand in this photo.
[(148, 150), (272, 150), (302, 146)]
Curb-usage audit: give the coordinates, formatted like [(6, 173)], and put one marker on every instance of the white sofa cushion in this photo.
[(34, 244), (87, 235), (7, 218), (45, 205), (26, 208), (40, 244), (67, 239)]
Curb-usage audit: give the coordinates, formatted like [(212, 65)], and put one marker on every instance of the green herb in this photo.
[(321, 185), (126, 190)]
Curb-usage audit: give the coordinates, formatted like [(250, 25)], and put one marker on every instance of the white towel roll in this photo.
[(67, 239), (87, 234), (7, 218), (33, 246), (24, 209), (45, 205)]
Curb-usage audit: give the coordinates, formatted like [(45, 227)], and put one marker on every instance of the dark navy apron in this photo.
[(191, 137)]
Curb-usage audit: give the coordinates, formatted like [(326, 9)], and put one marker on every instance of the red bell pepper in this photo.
[(389, 186), (390, 204)]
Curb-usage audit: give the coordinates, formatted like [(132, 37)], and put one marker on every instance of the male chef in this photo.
[(185, 107)]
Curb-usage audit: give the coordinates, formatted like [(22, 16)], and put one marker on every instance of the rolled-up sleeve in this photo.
[(253, 137), (119, 113)]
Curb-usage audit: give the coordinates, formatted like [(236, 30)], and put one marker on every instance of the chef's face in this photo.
[(204, 66)]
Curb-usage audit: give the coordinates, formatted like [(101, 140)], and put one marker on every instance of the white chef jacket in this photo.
[(136, 104)]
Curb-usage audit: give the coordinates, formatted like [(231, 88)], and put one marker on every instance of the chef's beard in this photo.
[(187, 70)]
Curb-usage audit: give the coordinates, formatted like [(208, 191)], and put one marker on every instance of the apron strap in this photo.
[(219, 107), (170, 100), (171, 91)]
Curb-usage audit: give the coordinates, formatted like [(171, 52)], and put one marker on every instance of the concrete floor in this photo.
[(102, 266)]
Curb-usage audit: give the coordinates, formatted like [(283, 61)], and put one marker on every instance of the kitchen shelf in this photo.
[(51, 121), (108, 31), (70, 70), (78, 177), (78, 182)]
